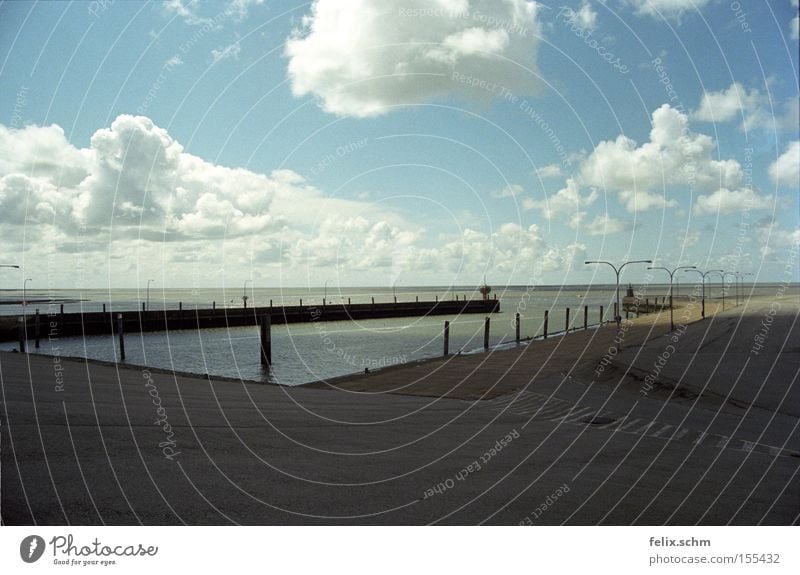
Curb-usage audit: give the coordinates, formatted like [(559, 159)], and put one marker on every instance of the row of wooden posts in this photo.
[(265, 326), (567, 328)]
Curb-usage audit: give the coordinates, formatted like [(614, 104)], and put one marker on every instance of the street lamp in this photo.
[(244, 292), (721, 274), (703, 280), (147, 305), (741, 280), (733, 274), (617, 271), (671, 274)]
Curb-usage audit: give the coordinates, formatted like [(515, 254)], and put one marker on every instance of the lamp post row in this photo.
[(738, 277)]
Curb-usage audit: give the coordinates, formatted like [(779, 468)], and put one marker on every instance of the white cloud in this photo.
[(585, 16), (510, 191), (774, 241), (733, 102), (567, 201), (691, 239), (134, 178), (229, 51), (724, 201), (188, 10), (240, 8), (173, 62), (752, 107), (550, 171), (135, 196), (604, 225), (360, 58), (673, 157), (785, 171), (666, 8)]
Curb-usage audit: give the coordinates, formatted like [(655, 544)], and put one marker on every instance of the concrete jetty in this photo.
[(98, 323)]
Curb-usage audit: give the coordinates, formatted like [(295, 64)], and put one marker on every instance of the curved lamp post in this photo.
[(703, 280), (617, 271), (721, 274), (740, 276), (671, 275), (734, 276)]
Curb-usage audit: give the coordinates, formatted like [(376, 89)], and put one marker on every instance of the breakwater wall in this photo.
[(100, 323)]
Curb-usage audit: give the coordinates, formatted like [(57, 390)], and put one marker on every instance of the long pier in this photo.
[(100, 323)]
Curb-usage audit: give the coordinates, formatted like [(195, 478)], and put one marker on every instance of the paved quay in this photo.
[(537, 434)]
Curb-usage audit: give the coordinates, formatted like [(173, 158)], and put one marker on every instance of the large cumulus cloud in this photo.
[(362, 57)]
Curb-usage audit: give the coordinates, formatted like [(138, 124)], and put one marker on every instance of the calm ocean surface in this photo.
[(312, 351)]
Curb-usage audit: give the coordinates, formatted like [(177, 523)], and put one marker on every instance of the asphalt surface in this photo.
[(715, 439)]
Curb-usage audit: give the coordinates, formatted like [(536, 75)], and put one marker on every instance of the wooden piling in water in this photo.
[(104, 308), (266, 339), (516, 326), (566, 322), (21, 333), (446, 338), (486, 333), (546, 315), (36, 328), (586, 317), (601, 316)]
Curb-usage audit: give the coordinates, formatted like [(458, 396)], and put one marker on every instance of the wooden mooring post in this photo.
[(601, 316), (546, 316), (37, 328), (586, 317), (121, 334), (486, 333), (266, 339), (566, 322), (21, 333), (446, 338), (516, 326)]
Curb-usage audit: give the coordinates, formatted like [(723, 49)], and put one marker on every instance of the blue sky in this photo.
[(378, 143)]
